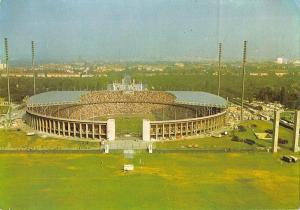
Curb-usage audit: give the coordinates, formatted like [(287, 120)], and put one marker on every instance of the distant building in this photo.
[(296, 63), (127, 85), (2, 65), (281, 60), (180, 65)]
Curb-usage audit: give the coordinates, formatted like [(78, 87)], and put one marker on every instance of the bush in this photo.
[(253, 126), (236, 138), (283, 141), (242, 128), (269, 131), (249, 141)]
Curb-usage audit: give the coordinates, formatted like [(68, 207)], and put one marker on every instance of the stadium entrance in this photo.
[(130, 126)]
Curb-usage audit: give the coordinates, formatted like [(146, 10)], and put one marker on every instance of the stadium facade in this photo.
[(77, 114)]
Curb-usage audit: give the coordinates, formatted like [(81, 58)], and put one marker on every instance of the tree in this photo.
[(283, 98)]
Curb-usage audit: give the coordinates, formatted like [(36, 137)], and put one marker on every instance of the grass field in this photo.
[(14, 139), (255, 180), (288, 116), (160, 181)]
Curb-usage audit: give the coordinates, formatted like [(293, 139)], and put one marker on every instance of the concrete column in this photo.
[(214, 122), (39, 124), (200, 132), (80, 130), (54, 126), (86, 131), (181, 129), (275, 130), (43, 125), (296, 131), (33, 122), (69, 129), (93, 130), (47, 126), (163, 130), (170, 130), (186, 128), (111, 129), (146, 130), (99, 131), (156, 131), (58, 125), (192, 127), (74, 130), (50, 126), (64, 128), (175, 130)]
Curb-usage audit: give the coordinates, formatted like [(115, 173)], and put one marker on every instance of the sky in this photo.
[(150, 30)]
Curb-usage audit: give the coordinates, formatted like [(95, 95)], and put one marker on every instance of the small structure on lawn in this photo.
[(106, 148), (150, 147), (263, 136), (128, 167)]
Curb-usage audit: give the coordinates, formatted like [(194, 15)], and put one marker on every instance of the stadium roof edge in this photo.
[(182, 97)]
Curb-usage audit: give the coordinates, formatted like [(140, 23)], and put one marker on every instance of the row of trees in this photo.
[(289, 97), (285, 90)]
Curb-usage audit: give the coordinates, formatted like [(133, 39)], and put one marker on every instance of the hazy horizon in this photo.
[(159, 30)]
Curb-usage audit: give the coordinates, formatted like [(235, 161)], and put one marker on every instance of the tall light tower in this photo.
[(244, 74), (7, 70), (32, 65), (219, 65)]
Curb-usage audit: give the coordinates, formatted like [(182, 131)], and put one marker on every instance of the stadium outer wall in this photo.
[(105, 130), (176, 129)]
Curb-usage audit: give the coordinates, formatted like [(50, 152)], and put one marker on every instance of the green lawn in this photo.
[(18, 139), (255, 180), (11, 138), (226, 142), (288, 116), (160, 181)]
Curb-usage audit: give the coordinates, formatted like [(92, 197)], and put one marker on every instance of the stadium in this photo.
[(90, 115)]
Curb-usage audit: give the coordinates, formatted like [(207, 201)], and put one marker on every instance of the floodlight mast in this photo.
[(7, 70), (32, 67), (243, 82), (219, 65)]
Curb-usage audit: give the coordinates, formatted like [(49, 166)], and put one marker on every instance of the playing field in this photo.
[(159, 181)]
